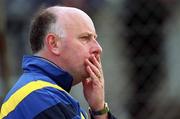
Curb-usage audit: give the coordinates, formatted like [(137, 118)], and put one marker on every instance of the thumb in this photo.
[(86, 82)]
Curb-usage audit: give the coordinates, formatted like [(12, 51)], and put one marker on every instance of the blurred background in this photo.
[(141, 52)]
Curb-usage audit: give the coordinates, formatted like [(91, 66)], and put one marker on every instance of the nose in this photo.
[(96, 48)]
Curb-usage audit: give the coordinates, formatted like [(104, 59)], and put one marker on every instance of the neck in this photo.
[(56, 60)]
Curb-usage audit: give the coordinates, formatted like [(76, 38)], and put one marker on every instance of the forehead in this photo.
[(76, 21)]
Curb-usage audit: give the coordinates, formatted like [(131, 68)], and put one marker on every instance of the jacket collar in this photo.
[(48, 68)]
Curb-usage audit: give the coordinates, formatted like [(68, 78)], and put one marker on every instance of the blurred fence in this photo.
[(144, 22)]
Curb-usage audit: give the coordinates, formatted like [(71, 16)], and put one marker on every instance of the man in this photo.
[(63, 41)]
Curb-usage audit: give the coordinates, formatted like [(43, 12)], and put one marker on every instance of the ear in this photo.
[(53, 43)]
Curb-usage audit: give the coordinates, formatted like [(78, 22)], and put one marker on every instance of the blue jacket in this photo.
[(41, 93)]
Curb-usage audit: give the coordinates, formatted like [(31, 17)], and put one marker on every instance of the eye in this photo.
[(85, 39)]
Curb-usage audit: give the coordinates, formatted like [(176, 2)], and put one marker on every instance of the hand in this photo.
[(93, 87)]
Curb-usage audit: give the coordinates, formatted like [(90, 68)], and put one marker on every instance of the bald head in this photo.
[(70, 17), (56, 20), (58, 10)]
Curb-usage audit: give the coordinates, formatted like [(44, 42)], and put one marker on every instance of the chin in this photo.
[(86, 75), (83, 77)]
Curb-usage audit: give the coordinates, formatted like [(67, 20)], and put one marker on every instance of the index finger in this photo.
[(98, 57)]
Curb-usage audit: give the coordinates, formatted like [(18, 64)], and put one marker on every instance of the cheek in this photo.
[(81, 55), (76, 51), (81, 50)]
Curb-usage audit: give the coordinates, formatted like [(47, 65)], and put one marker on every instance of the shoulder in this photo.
[(55, 103), (38, 97)]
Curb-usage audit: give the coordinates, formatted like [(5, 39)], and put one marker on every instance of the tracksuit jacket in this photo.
[(42, 92)]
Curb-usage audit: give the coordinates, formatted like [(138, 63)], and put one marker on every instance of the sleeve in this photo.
[(58, 111), (110, 116), (51, 104)]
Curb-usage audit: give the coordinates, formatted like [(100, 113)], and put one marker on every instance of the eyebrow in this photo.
[(88, 34)]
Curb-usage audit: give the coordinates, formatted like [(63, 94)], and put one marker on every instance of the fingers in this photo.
[(91, 73), (94, 67), (96, 61), (93, 70), (98, 58)]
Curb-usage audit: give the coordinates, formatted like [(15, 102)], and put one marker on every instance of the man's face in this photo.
[(79, 44)]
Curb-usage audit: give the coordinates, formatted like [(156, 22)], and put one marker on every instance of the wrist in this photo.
[(97, 106), (99, 112)]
